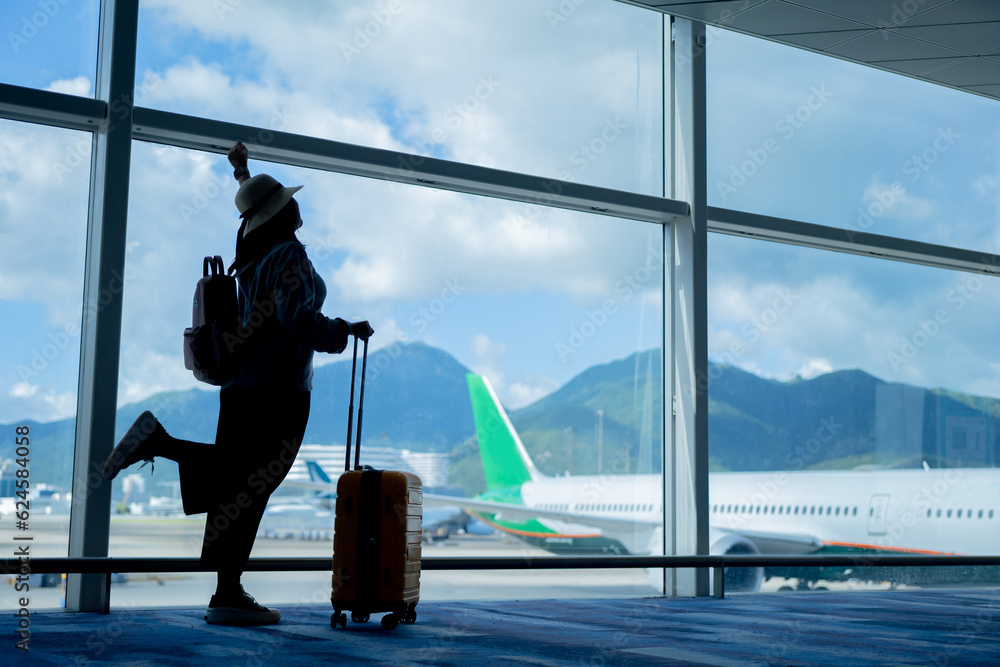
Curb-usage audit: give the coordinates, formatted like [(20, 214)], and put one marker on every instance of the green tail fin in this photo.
[(505, 460)]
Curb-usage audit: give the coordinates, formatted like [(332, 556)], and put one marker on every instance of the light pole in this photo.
[(569, 446), (600, 439)]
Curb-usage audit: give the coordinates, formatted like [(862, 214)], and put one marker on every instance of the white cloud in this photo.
[(145, 372), (895, 201), (522, 97), (80, 86), (43, 213), (406, 90), (23, 390), (814, 367), (37, 402), (527, 391)]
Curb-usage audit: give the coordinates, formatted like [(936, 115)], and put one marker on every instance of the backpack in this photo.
[(212, 344)]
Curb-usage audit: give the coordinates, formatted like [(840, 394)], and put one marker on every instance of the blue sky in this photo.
[(48, 41), (531, 96)]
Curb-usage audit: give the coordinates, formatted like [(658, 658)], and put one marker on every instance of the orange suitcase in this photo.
[(377, 537)]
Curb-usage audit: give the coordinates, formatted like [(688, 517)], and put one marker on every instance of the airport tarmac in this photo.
[(181, 537), (144, 536)]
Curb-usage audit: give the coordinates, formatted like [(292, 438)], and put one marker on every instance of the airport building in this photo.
[(651, 280), (430, 467)]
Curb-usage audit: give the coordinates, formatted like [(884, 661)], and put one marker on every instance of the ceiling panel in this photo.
[(875, 13), (819, 41), (884, 45), (959, 11), (972, 38), (775, 17), (709, 12), (929, 40)]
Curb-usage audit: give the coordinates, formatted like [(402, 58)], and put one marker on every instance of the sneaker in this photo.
[(136, 445), (240, 610)]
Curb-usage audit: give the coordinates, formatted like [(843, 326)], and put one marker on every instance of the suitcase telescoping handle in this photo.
[(216, 266), (361, 403)]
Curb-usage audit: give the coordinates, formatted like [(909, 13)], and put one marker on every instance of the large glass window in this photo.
[(50, 44), (849, 403), (43, 223), (560, 312), (512, 85), (851, 399), (803, 136)]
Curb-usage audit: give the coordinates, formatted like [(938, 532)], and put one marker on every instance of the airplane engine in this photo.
[(744, 579)]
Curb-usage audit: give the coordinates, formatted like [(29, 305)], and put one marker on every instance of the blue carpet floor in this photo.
[(878, 628)]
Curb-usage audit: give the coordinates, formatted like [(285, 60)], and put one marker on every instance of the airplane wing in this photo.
[(522, 513)]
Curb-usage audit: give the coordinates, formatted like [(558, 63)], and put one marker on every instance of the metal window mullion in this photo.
[(667, 538), (690, 345), (324, 154), (856, 242), (47, 108), (102, 302)]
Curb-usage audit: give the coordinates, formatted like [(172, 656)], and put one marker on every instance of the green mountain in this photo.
[(843, 419), (563, 431), (605, 419), (415, 398)]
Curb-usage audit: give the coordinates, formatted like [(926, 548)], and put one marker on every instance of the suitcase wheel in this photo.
[(338, 619), (390, 621), (409, 616), (358, 617)]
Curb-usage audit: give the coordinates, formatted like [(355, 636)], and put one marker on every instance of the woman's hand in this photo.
[(361, 329), (238, 155)]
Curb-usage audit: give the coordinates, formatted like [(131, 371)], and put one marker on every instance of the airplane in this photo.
[(325, 488), (921, 511)]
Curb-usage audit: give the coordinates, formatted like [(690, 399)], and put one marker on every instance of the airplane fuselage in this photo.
[(919, 511)]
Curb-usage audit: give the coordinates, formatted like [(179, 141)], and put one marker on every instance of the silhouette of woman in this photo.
[(264, 410)]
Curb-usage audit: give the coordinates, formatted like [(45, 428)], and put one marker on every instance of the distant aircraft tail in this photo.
[(505, 460), (317, 474)]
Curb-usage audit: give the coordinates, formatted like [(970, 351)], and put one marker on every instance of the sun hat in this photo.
[(260, 198)]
